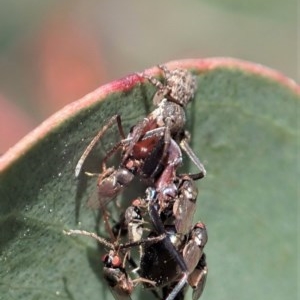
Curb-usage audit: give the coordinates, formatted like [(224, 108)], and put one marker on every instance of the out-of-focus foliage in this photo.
[(53, 52), (280, 10)]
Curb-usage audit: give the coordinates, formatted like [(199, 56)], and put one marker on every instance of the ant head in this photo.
[(179, 87), (112, 260)]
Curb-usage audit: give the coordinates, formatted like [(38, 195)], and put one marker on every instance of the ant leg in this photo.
[(167, 140), (114, 119), (149, 134), (90, 234), (178, 287), (161, 91), (105, 215), (113, 150), (152, 80), (166, 71), (141, 279), (149, 240), (151, 282), (111, 245), (131, 141), (191, 154), (138, 131)]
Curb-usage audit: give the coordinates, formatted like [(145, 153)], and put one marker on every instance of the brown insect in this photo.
[(114, 269), (151, 148)]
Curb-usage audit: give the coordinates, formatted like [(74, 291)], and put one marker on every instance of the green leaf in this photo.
[(244, 128)]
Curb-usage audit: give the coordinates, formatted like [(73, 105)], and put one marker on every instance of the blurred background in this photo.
[(53, 52)]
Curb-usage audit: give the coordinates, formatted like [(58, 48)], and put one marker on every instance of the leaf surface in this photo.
[(243, 122)]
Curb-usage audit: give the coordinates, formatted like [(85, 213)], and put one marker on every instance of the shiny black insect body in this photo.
[(160, 264), (174, 258)]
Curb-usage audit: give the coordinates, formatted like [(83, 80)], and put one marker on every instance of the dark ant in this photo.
[(177, 259), (151, 148), (178, 213), (179, 253), (177, 256), (159, 264), (177, 210), (114, 271)]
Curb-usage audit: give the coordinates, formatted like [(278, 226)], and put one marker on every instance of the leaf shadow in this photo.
[(66, 289)]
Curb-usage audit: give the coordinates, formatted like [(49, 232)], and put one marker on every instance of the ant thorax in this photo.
[(171, 114)]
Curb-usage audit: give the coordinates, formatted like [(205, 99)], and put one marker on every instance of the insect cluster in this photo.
[(159, 224)]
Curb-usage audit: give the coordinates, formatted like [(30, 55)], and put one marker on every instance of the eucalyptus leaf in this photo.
[(243, 124)]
